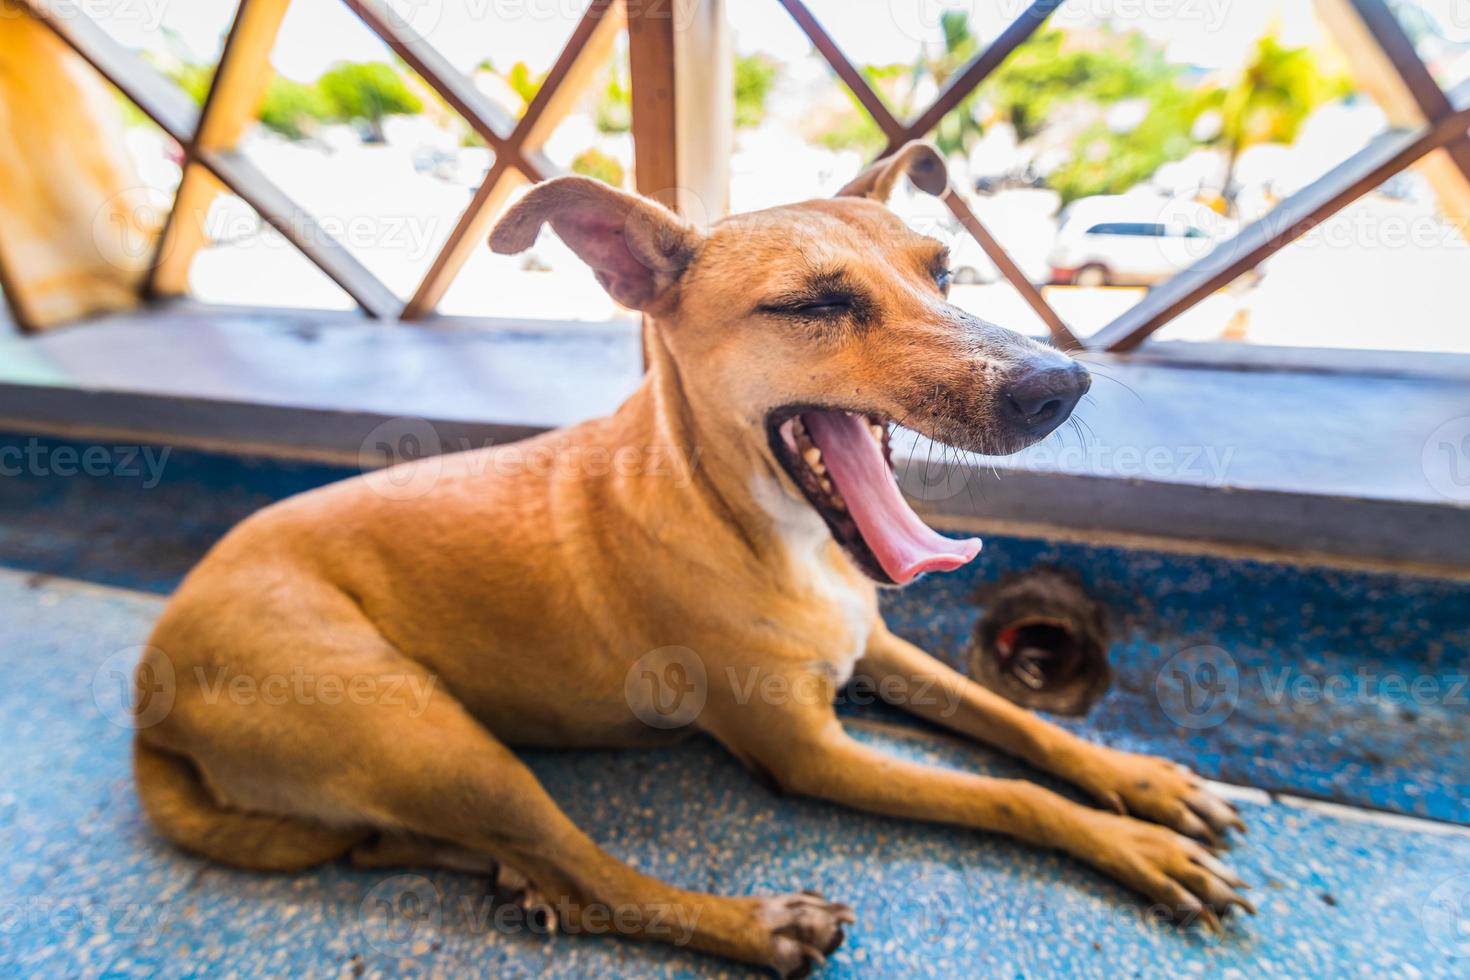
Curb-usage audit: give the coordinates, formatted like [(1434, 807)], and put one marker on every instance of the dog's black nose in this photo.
[(1041, 397)]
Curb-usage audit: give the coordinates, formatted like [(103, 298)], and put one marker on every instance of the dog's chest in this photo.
[(843, 610)]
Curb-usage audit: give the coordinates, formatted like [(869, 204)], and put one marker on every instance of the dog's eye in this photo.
[(826, 308), (942, 279)]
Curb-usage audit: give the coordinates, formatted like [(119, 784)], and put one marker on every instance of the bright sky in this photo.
[(1209, 33)]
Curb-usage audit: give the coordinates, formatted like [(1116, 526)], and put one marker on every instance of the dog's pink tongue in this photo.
[(904, 545)]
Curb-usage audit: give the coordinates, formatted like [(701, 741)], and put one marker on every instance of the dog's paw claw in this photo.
[(1177, 873), (513, 887), (1165, 792), (805, 929)]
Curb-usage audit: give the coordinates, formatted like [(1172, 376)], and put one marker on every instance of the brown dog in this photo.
[(734, 517)]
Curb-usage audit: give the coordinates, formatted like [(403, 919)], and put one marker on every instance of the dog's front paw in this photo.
[(1162, 791), (1188, 883), (804, 929)]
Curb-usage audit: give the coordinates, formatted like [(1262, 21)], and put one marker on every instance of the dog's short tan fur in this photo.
[(519, 594)]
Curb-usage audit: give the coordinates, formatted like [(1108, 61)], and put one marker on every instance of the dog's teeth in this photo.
[(877, 430), (813, 457)]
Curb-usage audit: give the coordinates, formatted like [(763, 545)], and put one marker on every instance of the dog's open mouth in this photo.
[(840, 461)]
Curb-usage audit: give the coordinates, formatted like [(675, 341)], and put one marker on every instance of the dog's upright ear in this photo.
[(636, 247), (917, 159)]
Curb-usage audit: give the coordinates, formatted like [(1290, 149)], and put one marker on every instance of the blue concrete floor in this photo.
[(86, 890), (1286, 635)]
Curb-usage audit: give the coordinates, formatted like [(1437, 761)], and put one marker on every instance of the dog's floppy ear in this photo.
[(636, 247), (916, 158)]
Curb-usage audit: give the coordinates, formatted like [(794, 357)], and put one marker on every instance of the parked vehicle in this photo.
[(1132, 240)]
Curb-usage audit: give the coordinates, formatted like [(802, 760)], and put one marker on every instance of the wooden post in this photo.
[(77, 226), (1376, 74), (681, 62), (682, 66), (239, 84)]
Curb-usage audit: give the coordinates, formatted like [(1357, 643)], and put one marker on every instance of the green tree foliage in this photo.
[(523, 83), (1050, 71), (755, 75), (851, 128), (593, 163), (368, 92), (292, 109), (193, 79), (614, 113), (1273, 96)]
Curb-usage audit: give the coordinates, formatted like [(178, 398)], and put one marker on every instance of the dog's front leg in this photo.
[(1143, 785), (804, 750)]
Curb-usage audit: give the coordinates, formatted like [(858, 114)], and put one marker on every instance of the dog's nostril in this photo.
[(1040, 399)]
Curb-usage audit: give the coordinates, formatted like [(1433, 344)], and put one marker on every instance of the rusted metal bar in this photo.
[(1290, 219), (299, 228), (850, 75), (1060, 333), (469, 233), (168, 106), (234, 95), (1399, 50), (898, 134), (582, 54), (159, 99), (493, 124), (959, 85)]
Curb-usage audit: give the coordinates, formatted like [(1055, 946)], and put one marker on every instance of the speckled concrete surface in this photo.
[(85, 890), (1313, 654), (1351, 686)]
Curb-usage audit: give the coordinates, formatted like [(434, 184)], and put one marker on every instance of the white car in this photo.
[(1132, 240)]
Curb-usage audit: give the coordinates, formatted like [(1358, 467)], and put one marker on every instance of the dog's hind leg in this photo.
[(439, 785), (181, 807), (444, 777)]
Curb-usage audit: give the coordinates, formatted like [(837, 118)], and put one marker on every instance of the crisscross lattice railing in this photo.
[(209, 138), (1446, 115)]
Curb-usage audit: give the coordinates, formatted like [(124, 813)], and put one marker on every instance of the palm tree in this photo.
[(1278, 88)]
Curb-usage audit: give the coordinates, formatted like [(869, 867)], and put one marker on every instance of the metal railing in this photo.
[(209, 135)]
